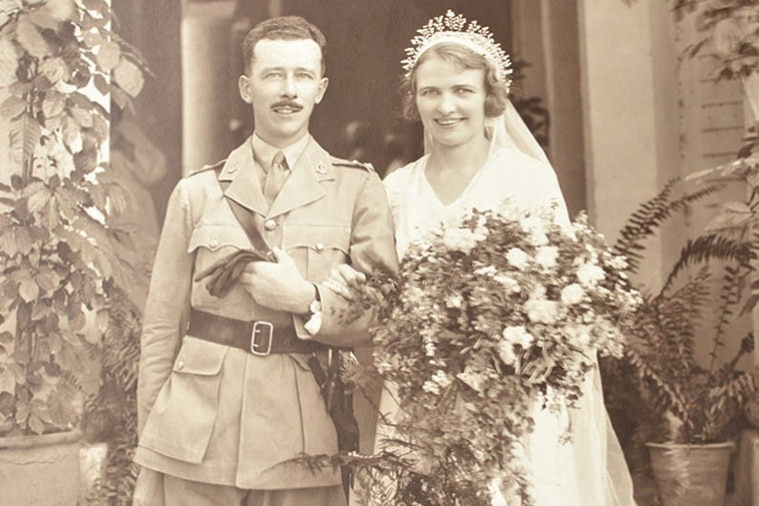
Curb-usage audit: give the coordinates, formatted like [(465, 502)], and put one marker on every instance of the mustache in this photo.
[(287, 103)]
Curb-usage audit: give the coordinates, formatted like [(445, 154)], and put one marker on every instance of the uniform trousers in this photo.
[(158, 489), (179, 492)]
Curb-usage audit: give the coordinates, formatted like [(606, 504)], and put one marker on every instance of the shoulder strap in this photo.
[(248, 224), (339, 162)]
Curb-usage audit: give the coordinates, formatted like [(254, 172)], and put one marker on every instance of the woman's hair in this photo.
[(282, 28), (496, 92)]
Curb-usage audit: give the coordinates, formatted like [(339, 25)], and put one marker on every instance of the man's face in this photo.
[(284, 84)]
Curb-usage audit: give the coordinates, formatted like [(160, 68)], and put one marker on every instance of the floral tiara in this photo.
[(454, 28)]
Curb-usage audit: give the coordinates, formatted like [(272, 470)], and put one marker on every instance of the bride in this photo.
[(479, 153)]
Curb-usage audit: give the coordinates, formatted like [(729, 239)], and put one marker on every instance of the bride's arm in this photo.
[(344, 280)]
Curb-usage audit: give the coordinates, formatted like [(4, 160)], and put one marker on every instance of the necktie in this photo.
[(275, 177)]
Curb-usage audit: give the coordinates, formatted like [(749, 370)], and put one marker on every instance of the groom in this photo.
[(228, 400)]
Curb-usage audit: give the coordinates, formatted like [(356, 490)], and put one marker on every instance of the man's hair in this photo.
[(496, 91), (282, 28)]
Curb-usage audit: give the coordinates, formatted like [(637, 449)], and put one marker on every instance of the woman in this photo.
[(479, 153)]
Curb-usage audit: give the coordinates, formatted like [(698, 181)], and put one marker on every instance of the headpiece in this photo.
[(454, 28)]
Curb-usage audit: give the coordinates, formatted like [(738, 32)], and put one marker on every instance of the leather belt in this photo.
[(258, 337)]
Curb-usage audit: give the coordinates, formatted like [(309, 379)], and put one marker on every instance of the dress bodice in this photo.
[(508, 174)]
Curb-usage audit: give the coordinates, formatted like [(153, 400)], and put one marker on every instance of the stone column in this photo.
[(205, 71), (630, 112)]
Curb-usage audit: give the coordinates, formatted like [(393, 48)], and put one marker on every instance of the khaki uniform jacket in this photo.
[(219, 414)]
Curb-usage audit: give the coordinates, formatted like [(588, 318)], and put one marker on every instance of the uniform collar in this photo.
[(263, 152), (309, 169)]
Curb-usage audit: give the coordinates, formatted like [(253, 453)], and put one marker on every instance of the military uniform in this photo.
[(218, 414)]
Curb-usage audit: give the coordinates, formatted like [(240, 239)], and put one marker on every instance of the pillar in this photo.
[(205, 71), (630, 114)]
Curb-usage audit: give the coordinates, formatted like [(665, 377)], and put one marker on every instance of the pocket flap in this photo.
[(200, 357), (317, 237), (214, 237)]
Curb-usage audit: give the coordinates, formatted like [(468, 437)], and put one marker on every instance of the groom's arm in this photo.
[(372, 249)]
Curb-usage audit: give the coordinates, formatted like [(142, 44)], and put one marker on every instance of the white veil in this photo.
[(598, 475), (509, 130)]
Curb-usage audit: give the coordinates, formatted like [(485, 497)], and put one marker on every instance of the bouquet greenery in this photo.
[(494, 316)]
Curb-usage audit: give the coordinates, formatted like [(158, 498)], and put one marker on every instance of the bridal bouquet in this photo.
[(493, 317)]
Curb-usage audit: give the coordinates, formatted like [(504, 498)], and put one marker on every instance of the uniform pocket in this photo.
[(213, 243), (318, 247), (217, 236), (181, 421)]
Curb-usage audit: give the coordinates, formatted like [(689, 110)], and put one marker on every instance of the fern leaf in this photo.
[(706, 248), (644, 222)]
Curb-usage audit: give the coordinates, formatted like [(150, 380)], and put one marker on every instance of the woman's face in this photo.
[(451, 101)]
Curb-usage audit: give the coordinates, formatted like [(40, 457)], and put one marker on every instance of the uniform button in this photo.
[(214, 242), (319, 246), (233, 167), (270, 225), (180, 365)]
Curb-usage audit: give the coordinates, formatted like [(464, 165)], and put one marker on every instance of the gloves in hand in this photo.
[(223, 274)]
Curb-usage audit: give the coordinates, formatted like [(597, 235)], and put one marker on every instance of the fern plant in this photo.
[(684, 401), (111, 414)]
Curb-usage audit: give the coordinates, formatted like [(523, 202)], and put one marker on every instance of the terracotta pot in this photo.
[(40, 470), (691, 475)]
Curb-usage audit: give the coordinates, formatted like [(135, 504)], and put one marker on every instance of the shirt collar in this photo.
[(264, 152)]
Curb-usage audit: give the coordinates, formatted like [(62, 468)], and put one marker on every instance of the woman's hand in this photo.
[(345, 281)]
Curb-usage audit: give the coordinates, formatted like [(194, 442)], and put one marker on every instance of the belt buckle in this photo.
[(255, 344)]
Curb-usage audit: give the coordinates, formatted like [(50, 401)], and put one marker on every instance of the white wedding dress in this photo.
[(590, 470)]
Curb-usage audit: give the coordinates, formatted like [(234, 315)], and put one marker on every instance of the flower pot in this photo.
[(40, 470), (690, 475)]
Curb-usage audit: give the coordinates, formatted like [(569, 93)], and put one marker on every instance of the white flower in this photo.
[(517, 257), (488, 270), (541, 310), (579, 335), (473, 379), (589, 274), (547, 256), (572, 294), (535, 226), (538, 292), (454, 301), (441, 378), (506, 352), (510, 284), (431, 387), (415, 293), (518, 335), (461, 239), (429, 347), (619, 263)]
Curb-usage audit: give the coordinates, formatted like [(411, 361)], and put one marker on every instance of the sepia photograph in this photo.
[(379, 253)]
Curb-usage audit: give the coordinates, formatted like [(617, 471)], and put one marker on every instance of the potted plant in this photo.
[(60, 258), (688, 413)]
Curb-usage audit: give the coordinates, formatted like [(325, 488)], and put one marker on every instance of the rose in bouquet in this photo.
[(494, 315)]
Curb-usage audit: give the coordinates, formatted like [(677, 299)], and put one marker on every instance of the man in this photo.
[(226, 396)]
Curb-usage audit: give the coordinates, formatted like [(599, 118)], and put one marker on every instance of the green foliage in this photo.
[(60, 257), (684, 402)]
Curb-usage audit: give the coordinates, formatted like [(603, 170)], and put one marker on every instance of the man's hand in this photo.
[(279, 286)]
